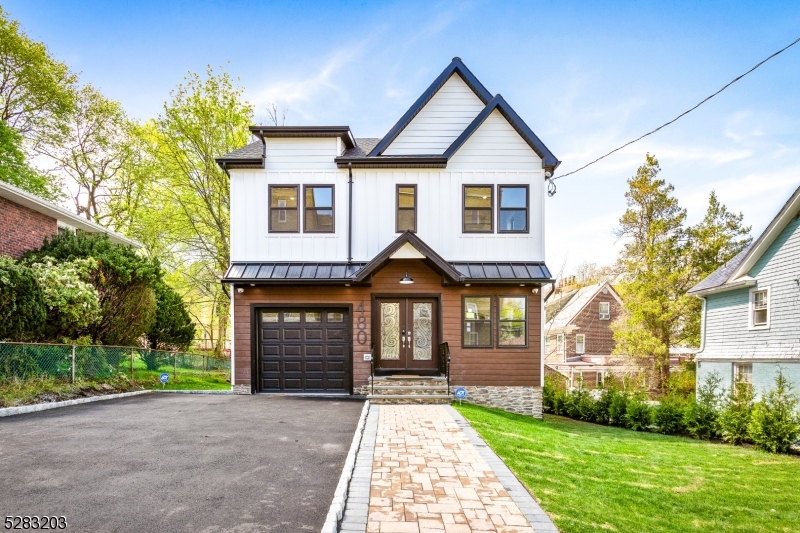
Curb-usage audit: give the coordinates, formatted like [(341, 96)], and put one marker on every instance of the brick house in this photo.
[(579, 339), (357, 262), (27, 220)]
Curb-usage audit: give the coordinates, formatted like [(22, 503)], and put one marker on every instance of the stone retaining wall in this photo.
[(520, 400), (241, 389)]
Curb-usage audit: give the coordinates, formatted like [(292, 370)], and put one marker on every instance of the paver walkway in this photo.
[(428, 476)]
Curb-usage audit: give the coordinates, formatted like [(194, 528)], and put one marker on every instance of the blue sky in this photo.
[(586, 77)]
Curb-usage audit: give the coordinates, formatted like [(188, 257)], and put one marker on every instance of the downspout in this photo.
[(350, 214)]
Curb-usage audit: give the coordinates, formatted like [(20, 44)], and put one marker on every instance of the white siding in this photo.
[(302, 154), (495, 145), (439, 215), (440, 121)]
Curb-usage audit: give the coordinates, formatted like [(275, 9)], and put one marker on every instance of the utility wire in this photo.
[(551, 185)]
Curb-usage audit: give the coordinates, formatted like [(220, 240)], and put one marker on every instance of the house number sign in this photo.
[(361, 325)]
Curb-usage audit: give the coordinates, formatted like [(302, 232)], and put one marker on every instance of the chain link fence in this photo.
[(67, 362)]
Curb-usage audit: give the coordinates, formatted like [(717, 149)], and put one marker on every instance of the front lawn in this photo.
[(598, 478), (41, 390), (184, 379)]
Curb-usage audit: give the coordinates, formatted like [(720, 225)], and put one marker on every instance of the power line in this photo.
[(552, 187)]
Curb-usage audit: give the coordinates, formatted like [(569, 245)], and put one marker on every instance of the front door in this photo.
[(407, 335)]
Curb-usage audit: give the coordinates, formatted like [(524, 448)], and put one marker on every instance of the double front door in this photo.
[(407, 331)]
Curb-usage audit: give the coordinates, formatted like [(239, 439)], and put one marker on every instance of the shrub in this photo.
[(638, 414), (584, 404), (172, 326), (700, 416), (22, 308), (669, 414), (601, 414), (154, 359), (737, 409), (617, 407), (775, 425)]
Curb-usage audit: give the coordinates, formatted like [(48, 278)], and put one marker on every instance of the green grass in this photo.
[(597, 478), (32, 391), (185, 379)]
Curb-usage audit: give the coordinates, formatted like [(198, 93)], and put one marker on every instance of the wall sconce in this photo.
[(406, 280), (240, 290), (535, 290)]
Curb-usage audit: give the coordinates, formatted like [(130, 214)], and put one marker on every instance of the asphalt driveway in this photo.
[(174, 462)]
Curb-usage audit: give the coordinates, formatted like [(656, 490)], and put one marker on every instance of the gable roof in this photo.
[(549, 161), (33, 202), (455, 67), (577, 302), (432, 259), (733, 274)]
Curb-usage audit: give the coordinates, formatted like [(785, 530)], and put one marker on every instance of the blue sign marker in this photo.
[(164, 378), (461, 393)]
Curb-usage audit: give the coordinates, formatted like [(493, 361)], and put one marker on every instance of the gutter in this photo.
[(350, 215), (741, 283)]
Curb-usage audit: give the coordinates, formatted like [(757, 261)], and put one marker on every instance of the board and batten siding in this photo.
[(439, 122), (727, 333), (291, 153), (439, 212)]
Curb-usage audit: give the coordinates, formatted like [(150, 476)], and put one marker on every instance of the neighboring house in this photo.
[(343, 247), (579, 340), (751, 308), (27, 220)]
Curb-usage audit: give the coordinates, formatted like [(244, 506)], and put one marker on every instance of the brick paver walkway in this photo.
[(428, 477)]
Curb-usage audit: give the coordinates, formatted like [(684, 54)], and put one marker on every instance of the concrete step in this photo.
[(382, 386), (435, 399)]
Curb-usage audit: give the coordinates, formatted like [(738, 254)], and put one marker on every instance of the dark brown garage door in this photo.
[(304, 350)]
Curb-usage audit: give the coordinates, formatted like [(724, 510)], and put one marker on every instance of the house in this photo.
[(27, 220), (751, 308), (579, 340), (360, 257)]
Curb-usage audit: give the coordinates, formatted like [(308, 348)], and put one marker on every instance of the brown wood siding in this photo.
[(469, 366)]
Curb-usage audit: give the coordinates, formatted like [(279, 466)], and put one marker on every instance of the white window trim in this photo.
[(605, 316), (560, 345), (583, 336), (737, 371), (751, 309)]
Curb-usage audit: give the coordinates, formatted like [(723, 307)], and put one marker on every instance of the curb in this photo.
[(22, 409), (192, 391), (340, 496)]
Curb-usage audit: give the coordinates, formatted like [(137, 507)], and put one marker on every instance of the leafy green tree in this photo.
[(72, 302), (172, 326), (775, 425), (123, 280), (22, 304), (737, 410), (701, 414), (16, 171)]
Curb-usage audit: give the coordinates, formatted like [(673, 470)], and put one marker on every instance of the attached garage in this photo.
[(303, 350)]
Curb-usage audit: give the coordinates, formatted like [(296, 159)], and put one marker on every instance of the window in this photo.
[(406, 208), (743, 372), (283, 209), (605, 311), (560, 344), (759, 308), (318, 209), (599, 382), (477, 321), (478, 204), (512, 323), (580, 343), (513, 209)]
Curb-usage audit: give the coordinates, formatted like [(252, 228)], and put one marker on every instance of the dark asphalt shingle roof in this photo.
[(251, 151), (721, 275), (362, 148)]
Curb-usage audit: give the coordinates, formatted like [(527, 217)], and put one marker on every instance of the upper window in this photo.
[(318, 209), (478, 209), (513, 212), (406, 208), (605, 311), (580, 343), (513, 320), (477, 321), (759, 308), (560, 344), (283, 209)]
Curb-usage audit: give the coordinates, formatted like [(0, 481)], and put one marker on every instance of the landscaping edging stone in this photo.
[(337, 507), (22, 409), (538, 519)]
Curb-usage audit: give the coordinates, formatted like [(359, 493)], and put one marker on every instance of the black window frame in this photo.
[(464, 320), (296, 187), (398, 208), (525, 322), (527, 208), (464, 207), (332, 207)]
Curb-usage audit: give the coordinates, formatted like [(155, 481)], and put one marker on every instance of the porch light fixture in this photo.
[(406, 280)]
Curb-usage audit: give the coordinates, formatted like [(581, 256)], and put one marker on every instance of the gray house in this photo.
[(751, 308)]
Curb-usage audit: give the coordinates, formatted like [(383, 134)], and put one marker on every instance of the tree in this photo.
[(92, 151), (124, 283), (775, 424), (16, 171), (22, 307), (182, 208), (172, 326), (36, 91)]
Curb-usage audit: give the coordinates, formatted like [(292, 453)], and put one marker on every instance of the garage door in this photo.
[(304, 350)]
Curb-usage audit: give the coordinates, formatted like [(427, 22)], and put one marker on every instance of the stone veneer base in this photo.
[(240, 389), (521, 400)]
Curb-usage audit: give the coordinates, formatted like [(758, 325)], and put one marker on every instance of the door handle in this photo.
[(403, 336)]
